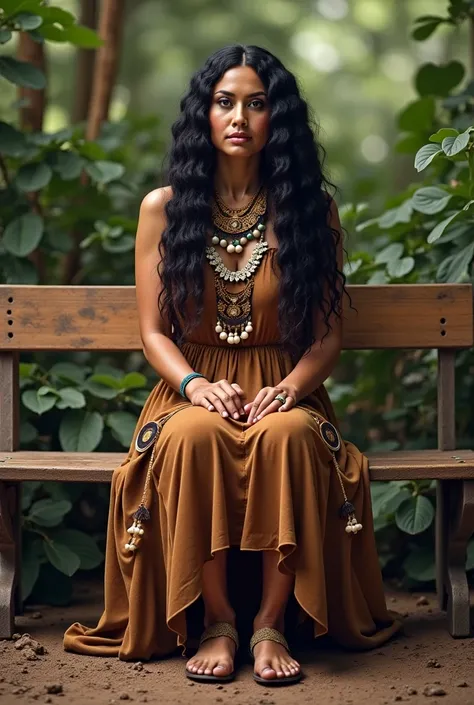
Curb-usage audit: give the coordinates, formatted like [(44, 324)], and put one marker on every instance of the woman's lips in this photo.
[(239, 139)]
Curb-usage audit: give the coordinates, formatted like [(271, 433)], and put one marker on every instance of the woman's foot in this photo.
[(215, 656), (272, 660)]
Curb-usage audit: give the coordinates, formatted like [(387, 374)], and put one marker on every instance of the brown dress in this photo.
[(217, 484)]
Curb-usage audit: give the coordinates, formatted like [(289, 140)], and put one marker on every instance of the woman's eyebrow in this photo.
[(250, 95)]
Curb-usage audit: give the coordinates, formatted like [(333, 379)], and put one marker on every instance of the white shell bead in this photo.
[(230, 248), (230, 339), (215, 240), (244, 335), (236, 339), (218, 329), (223, 335), (243, 241), (141, 531), (238, 248), (127, 546), (223, 243), (248, 328), (256, 233), (348, 529)]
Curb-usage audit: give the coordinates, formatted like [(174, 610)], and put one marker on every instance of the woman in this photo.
[(239, 289)]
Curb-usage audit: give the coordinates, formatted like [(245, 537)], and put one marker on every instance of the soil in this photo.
[(422, 665)]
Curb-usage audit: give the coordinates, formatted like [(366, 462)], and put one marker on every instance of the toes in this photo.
[(268, 672), (221, 669)]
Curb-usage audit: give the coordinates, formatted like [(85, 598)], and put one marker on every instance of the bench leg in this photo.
[(9, 556), (457, 516)]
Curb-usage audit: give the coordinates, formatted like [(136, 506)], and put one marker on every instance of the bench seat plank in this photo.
[(98, 467)]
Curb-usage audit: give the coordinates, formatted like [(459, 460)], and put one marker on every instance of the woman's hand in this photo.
[(219, 396), (265, 402)]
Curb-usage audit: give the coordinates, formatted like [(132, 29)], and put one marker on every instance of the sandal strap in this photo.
[(268, 634), (220, 629)]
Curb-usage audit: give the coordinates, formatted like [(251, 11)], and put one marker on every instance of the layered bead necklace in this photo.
[(234, 229)]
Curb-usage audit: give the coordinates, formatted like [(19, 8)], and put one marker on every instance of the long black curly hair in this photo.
[(297, 192)]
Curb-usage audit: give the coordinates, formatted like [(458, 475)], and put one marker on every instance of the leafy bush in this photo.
[(424, 235), (68, 216)]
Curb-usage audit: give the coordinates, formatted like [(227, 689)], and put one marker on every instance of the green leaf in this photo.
[(387, 498), (442, 133), (5, 36), (28, 490), (61, 557), (21, 271), (23, 234), (418, 116), (33, 177), (426, 30), (104, 172), (439, 80), (453, 145), (100, 390), (402, 214), (420, 565), (82, 37), (414, 515), (68, 371), (439, 229), (70, 398), (125, 244), (12, 141), (425, 156), (454, 268), (133, 380), (28, 433), (56, 15), (107, 380), (21, 73), (30, 567), (27, 21), (123, 425), (430, 200), (49, 512), (45, 389), (400, 268), (82, 545), (68, 164), (37, 404), (390, 253), (81, 431)]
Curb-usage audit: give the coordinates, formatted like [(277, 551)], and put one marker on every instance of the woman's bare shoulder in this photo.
[(154, 202)]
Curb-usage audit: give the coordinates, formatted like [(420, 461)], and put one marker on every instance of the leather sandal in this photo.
[(268, 634), (212, 632)]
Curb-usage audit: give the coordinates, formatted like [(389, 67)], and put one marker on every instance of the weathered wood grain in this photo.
[(105, 318)]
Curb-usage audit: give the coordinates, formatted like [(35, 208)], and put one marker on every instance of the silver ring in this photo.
[(281, 398)]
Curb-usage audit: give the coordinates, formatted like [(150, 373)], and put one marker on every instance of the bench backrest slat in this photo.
[(105, 318)]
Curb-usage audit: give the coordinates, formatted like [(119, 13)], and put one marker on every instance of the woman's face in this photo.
[(239, 114)]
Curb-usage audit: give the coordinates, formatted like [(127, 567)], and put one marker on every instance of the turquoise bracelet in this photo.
[(187, 379)]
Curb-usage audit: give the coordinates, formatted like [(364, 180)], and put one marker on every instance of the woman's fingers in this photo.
[(268, 402), (230, 398)]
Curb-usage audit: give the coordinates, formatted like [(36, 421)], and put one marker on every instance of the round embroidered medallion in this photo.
[(330, 435), (146, 436)]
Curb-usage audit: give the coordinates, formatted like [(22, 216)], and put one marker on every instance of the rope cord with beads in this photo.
[(331, 438), (143, 514)]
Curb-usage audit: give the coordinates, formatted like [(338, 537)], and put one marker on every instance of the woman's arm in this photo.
[(312, 370), (161, 352)]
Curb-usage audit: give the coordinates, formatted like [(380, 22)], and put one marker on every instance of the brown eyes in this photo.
[(226, 103)]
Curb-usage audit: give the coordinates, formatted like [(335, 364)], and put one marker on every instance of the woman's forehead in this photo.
[(240, 80)]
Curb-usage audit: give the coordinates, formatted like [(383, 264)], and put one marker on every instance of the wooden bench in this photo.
[(104, 318)]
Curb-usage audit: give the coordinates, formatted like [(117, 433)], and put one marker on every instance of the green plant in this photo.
[(424, 235), (68, 216)]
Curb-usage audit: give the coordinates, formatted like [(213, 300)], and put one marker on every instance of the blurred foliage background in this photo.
[(80, 144)]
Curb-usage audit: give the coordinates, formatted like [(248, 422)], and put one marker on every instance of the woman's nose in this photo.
[(238, 118)]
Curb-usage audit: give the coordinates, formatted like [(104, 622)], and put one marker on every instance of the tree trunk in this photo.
[(105, 71), (85, 65), (110, 30), (32, 114)]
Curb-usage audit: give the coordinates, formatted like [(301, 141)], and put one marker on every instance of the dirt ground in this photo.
[(422, 665)]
